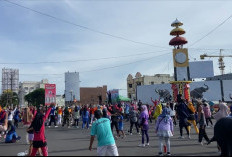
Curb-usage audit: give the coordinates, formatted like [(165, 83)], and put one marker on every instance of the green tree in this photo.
[(36, 97), (8, 97)]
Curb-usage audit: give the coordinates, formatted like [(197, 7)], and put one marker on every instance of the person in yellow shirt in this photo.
[(158, 111), (191, 118)]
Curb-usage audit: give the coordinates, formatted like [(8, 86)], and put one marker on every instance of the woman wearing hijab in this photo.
[(164, 129), (223, 111), (202, 124), (144, 116), (182, 114), (133, 115)]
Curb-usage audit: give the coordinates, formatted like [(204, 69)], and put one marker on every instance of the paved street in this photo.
[(68, 142)]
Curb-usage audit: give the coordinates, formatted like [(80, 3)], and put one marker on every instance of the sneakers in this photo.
[(181, 137), (189, 137), (147, 144), (49, 126), (141, 145), (161, 154), (168, 154), (130, 133), (56, 126), (201, 143)]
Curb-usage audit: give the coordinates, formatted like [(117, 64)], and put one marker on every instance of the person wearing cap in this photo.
[(102, 129)]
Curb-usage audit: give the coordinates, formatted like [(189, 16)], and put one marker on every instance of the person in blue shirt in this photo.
[(16, 118), (11, 136), (53, 117), (127, 112), (102, 129), (85, 118), (120, 125)]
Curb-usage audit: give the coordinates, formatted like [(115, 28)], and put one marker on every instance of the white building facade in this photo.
[(27, 87)]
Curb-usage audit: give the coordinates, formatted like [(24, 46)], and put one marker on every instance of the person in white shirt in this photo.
[(10, 117)]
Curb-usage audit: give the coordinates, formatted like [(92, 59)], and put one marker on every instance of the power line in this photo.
[(108, 67), (212, 30), (84, 60), (124, 64), (80, 26)]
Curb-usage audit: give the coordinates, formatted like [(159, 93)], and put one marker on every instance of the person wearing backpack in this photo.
[(133, 120)]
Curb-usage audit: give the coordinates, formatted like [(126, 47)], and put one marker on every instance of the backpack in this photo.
[(133, 117)]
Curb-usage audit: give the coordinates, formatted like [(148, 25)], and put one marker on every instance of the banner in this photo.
[(114, 95), (50, 94)]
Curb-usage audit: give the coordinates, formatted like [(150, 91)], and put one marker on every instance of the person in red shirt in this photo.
[(154, 102), (38, 127)]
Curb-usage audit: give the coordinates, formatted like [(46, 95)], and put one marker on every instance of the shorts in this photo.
[(30, 137), (3, 128), (39, 144), (110, 150)]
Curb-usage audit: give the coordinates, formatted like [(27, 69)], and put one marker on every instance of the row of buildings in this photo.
[(73, 91)]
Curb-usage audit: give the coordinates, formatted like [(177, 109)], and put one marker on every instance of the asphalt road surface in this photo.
[(75, 142)]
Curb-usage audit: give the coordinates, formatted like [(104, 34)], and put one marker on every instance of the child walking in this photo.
[(164, 129), (120, 125), (144, 116)]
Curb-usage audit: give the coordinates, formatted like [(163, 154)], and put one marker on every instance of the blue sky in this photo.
[(26, 36)]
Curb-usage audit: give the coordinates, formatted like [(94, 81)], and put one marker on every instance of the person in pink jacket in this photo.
[(38, 127), (208, 114)]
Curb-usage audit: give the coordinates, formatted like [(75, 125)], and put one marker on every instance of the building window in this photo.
[(152, 82), (26, 88), (162, 82), (139, 83), (130, 96), (130, 85)]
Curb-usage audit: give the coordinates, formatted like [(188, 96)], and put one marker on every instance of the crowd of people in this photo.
[(104, 118)]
